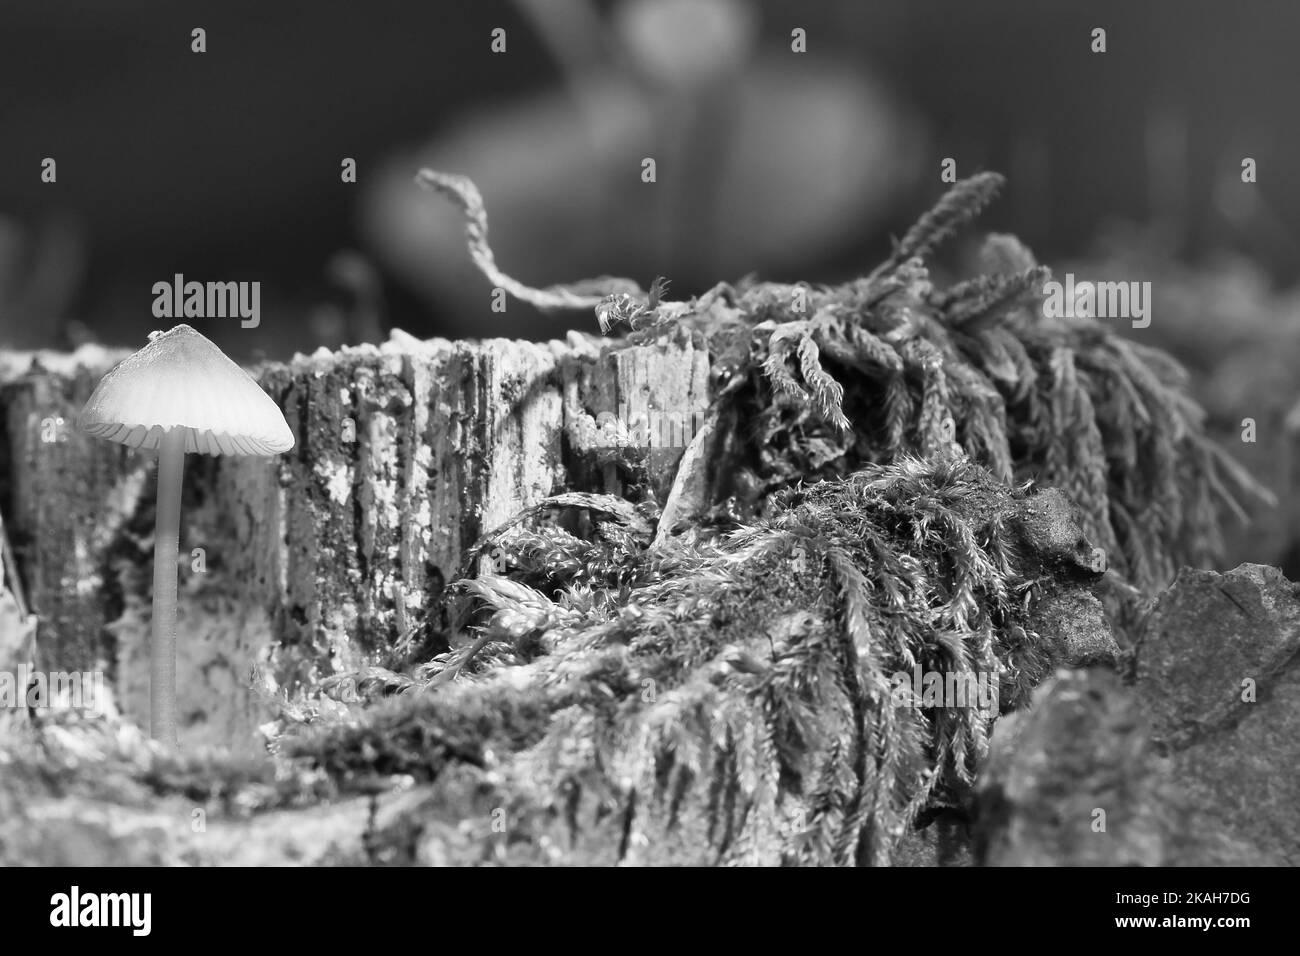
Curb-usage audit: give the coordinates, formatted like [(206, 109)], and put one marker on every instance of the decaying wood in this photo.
[(322, 559)]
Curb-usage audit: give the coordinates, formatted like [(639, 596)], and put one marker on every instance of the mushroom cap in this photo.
[(181, 380)]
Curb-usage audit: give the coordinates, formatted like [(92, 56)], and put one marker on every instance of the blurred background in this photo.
[(226, 165)]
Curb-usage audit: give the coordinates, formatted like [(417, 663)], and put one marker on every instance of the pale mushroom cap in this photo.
[(181, 380)]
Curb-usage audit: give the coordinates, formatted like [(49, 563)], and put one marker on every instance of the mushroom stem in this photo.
[(166, 537)]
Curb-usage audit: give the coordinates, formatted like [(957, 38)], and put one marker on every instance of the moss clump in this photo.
[(733, 698), (820, 381)]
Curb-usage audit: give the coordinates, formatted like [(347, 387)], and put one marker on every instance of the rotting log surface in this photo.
[(320, 560)]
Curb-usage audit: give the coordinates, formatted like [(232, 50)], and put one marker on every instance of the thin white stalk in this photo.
[(162, 647)]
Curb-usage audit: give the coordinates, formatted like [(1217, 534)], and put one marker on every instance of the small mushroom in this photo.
[(179, 393)]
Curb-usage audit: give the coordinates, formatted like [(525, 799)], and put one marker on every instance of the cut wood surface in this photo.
[(315, 562)]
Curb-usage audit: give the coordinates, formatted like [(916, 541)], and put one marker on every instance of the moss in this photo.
[(824, 380), (418, 735), (711, 680)]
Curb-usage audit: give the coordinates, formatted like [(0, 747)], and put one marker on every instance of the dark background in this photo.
[(225, 165)]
